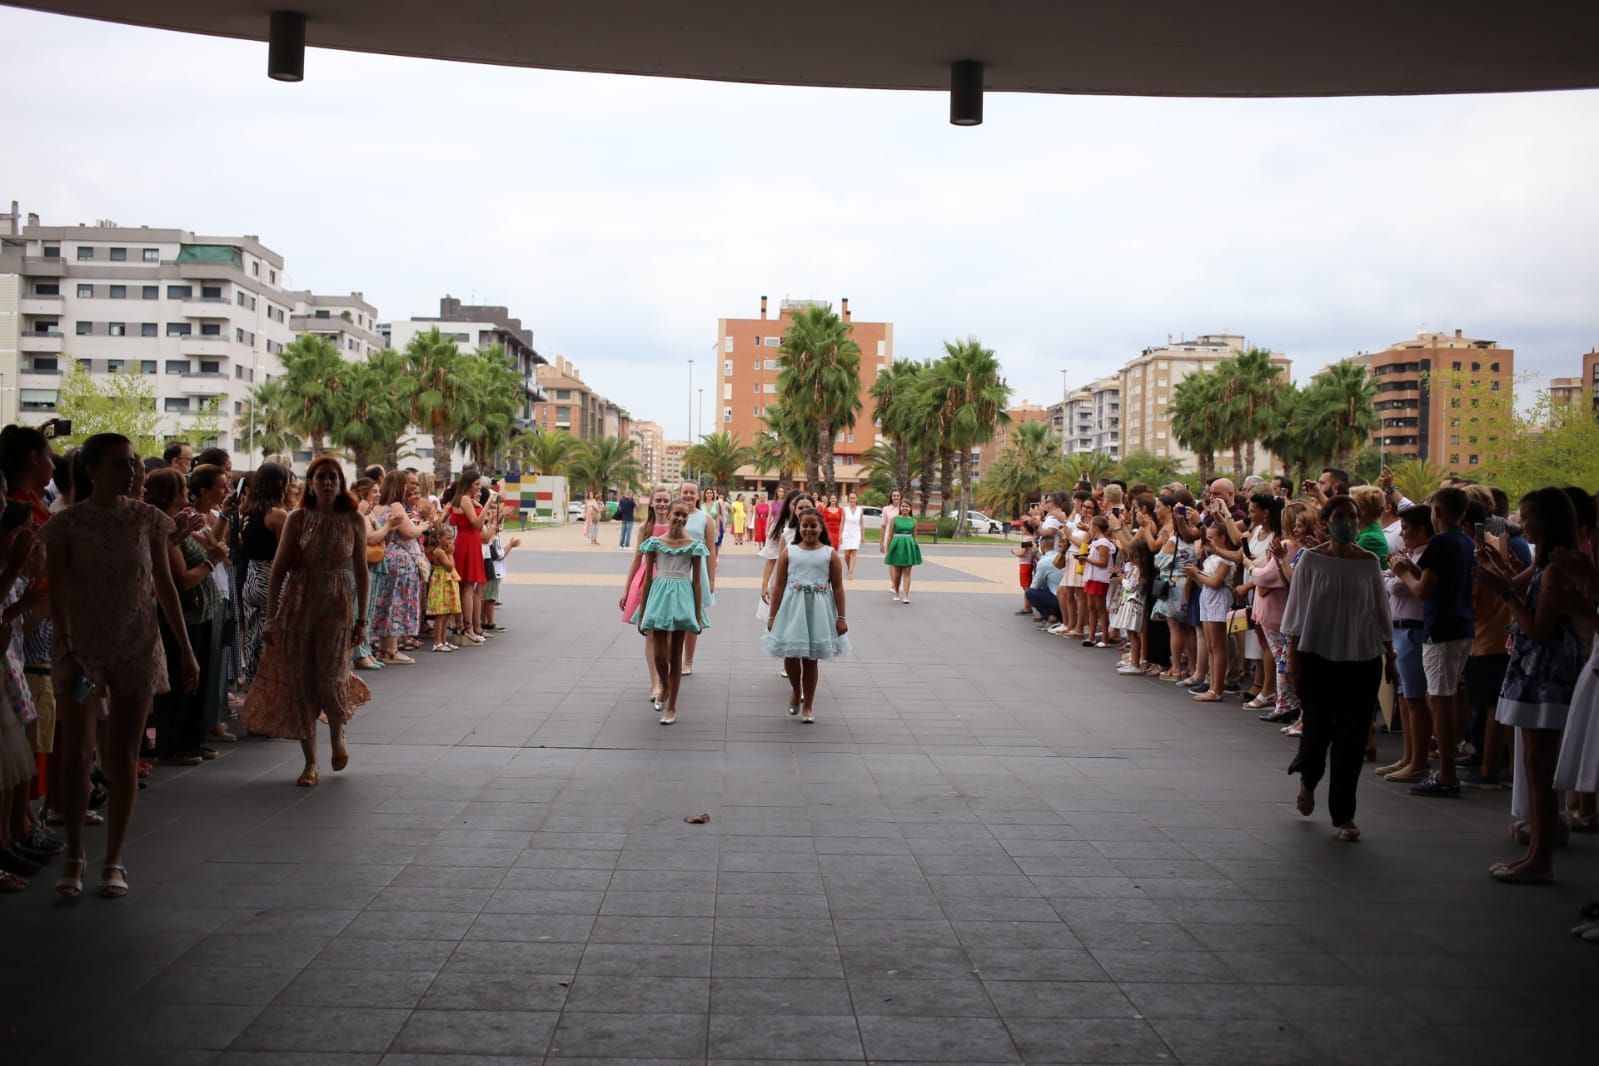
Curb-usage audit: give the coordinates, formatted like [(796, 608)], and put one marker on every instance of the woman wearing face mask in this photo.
[(1340, 642)]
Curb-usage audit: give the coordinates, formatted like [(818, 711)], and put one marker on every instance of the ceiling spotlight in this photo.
[(966, 93), (286, 46)]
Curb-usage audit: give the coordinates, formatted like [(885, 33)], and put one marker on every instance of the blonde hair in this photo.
[(1368, 502), (1293, 511), (1113, 493), (1481, 494), (424, 482)]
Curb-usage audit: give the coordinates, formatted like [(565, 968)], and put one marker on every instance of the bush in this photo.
[(946, 528)]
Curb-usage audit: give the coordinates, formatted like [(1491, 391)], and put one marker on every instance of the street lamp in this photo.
[(689, 423), (699, 425)]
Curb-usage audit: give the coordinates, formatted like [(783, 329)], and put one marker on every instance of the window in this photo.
[(1493, 386), (210, 292), (119, 255), (147, 329), (1455, 365), (147, 366), (771, 364), (117, 329), (757, 364), (179, 292), (727, 414), (47, 288), (1494, 367), (773, 342), (727, 391), (727, 344), (178, 329), (210, 329), (114, 365), (119, 292), (210, 366), (770, 388), (255, 268), (152, 255), (272, 276), (177, 403), (85, 291), (1454, 459), (238, 407), (1472, 460), (52, 251), (727, 368), (45, 364), (85, 252), (238, 334), (37, 399), (177, 366), (882, 349), (151, 292), (1476, 367), (240, 295), (85, 329), (322, 312)]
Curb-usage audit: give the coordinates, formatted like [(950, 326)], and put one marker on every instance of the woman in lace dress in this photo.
[(316, 612)]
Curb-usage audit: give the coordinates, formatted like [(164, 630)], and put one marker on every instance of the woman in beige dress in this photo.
[(316, 613)]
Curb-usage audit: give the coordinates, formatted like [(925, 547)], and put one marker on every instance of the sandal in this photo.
[(401, 660), (444, 647), (93, 818), (1348, 833), (71, 886), (1259, 703), (1507, 874), (113, 885), (688, 668), (308, 777), (1305, 802), (221, 735), (341, 755), (12, 883), (1206, 697)]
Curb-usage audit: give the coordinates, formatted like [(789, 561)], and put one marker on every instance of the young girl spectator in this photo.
[(1026, 556), (807, 623), (444, 585), (1096, 583), (1264, 580), (672, 599), (1137, 572), (1215, 600)]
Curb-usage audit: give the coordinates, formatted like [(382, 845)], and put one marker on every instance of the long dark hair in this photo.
[(817, 511), (163, 488), (1557, 521), (1139, 555), (468, 475), (342, 502), (783, 514), (19, 444), (93, 450), (268, 489), (794, 512), (1273, 506)]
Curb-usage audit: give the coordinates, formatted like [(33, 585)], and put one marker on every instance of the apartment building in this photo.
[(1020, 415), (648, 447), (348, 322), (205, 317), (672, 461), (473, 327), (1146, 390), (1565, 392), (569, 403), (10, 327), (746, 359), (1590, 375), (1418, 394), (1091, 419)]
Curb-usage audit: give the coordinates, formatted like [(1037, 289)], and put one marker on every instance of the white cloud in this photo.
[(620, 217)]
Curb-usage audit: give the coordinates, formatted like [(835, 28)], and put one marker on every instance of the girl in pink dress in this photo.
[(632, 597)]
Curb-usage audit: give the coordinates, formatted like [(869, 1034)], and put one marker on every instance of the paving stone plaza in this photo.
[(989, 848)]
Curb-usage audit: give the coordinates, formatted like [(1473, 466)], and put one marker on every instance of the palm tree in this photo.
[(377, 417), (315, 382), (894, 409), (1345, 395), (781, 446), (972, 396), (432, 361), (1195, 418), (489, 393), (1147, 467), (599, 465), (544, 451), (1250, 386), (1020, 468), (1417, 479), (718, 456), (819, 377), (264, 422)]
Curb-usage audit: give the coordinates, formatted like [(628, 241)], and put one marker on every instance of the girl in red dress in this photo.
[(763, 510)]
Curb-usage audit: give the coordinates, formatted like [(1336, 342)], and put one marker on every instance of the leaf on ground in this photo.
[(698, 819)]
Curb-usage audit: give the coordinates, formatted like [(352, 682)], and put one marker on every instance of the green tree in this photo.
[(1250, 386), (379, 414), (315, 383), (1341, 400), (432, 362), (1295, 437), (895, 409), (1195, 418), (819, 378), (781, 446), (603, 464), (121, 402), (544, 451), (972, 396), (1417, 479), (718, 456), (488, 396), (1557, 445), (1147, 467), (263, 424)]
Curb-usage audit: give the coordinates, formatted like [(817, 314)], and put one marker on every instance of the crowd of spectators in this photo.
[(155, 609), (1463, 621)]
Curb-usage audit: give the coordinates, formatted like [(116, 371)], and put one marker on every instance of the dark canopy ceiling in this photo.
[(1126, 47)]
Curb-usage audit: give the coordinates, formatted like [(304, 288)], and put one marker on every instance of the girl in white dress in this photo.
[(850, 542), (807, 622)]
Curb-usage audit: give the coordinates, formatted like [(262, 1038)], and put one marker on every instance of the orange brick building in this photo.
[(1415, 419), (746, 378)]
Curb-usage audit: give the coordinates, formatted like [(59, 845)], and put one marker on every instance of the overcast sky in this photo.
[(621, 217)]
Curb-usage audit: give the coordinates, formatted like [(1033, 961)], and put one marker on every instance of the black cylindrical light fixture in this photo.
[(966, 93), (286, 46)]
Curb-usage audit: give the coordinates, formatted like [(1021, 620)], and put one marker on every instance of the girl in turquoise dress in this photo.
[(807, 621), (705, 528), (673, 607), (903, 553)]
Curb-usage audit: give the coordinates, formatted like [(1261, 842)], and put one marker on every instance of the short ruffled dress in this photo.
[(444, 593), (635, 589), (670, 606), (902, 547), (1540, 681), (806, 624), (1578, 769), (696, 526)]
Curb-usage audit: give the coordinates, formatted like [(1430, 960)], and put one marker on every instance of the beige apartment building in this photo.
[(1565, 392), (349, 323), (672, 461), (1091, 419), (1146, 389), (649, 448), (474, 327)]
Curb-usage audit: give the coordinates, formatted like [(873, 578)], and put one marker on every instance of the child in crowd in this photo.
[(671, 597), (1137, 572), (495, 553), (1096, 584), (1215, 599), (444, 585), (1027, 556), (807, 622)]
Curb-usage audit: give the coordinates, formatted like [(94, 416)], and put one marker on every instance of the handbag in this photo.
[(1238, 620), (374, 554), (1162, 584)]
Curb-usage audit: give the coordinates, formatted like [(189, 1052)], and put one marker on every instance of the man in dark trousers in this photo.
[(624, 515)]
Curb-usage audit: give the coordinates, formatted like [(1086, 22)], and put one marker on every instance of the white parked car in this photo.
[(574, 511), (871, 517), (978, 522)]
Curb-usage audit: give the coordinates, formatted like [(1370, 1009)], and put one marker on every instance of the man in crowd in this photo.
[(624, 515), (179, 456)]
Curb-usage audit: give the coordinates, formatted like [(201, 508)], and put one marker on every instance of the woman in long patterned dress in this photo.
[(398, 613), (105, 555), (316, 612)]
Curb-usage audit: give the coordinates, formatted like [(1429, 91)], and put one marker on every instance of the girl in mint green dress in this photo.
[(807, 620), (672, 605)]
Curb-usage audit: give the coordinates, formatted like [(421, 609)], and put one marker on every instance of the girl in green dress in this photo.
[(903, 554), (672, 604)]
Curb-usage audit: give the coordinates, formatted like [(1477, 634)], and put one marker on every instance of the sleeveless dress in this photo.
[(833, 519), (902, 548), (635, 590), (304, 675), (1538, 686), (468, 550), (850, 537), (806, 625), (1578, 769), (697, 524), (670, 606), (738, 517), (399, 598), (758, 530)]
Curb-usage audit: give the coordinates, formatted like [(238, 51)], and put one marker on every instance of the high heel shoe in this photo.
[(308, 778)]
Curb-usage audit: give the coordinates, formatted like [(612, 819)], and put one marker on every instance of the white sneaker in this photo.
[(1128, 668)]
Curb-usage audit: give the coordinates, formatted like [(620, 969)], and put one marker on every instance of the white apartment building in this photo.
[(472, 327), (349, 322), (648, 444), (204, 317), (1146, 388), (1091, 419)]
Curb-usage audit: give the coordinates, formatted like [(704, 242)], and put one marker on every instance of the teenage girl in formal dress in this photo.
[(807, 623), (673, 607)]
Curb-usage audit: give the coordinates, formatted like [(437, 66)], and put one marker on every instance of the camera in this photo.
[(56, 428)]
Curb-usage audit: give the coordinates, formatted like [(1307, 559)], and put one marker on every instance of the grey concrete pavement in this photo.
[(989, 848)]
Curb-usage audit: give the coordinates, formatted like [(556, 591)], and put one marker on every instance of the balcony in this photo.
[(193, 344), (40, 342), (40, 305), (206, 307), (38, 266)]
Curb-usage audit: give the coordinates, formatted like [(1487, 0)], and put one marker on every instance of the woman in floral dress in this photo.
[(316, 612), (398, 614)]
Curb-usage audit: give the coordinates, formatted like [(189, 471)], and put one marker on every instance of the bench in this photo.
[(926, 527)]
